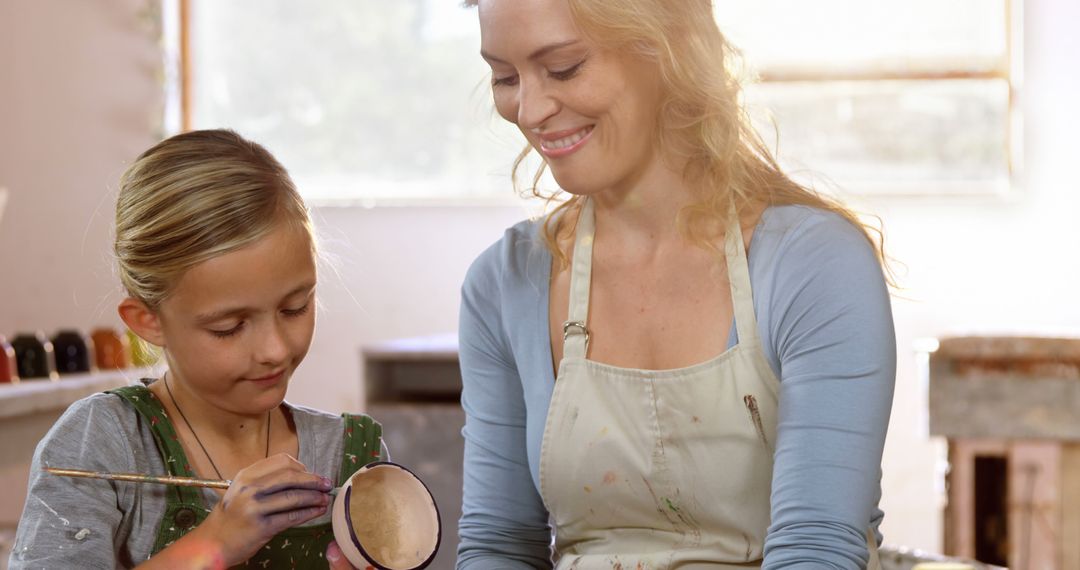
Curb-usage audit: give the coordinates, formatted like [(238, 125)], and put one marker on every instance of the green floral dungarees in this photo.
[(298, 547)]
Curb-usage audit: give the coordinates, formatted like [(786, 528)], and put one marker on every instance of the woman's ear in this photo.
[(142, 321)]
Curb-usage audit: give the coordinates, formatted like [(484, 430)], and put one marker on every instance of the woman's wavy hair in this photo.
[(702, 122)]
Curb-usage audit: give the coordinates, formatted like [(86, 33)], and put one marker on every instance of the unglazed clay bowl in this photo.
[(385, 518)]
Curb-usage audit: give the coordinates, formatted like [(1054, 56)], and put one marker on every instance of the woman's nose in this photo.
[(535, 104)]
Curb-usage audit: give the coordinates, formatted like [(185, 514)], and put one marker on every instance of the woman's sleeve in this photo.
[(831, 328), (69, 522), (504, 523)]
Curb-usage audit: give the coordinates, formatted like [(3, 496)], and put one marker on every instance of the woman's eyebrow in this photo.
[(536, 54)]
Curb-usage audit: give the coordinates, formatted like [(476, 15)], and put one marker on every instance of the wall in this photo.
[(78, 102)]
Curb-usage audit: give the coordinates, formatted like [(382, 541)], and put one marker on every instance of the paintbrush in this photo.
[(160, 480)]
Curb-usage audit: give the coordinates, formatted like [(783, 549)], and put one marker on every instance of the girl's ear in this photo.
[(142, 321)]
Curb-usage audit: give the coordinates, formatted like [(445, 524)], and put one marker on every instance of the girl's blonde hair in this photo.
[(193, 197), (702, 121)]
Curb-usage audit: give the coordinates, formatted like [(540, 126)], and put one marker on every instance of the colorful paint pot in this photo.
[(74, 352), (34, 357), (9, 371), (385, 518), (111, 351)]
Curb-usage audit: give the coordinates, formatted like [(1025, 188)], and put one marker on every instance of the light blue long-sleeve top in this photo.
[(825, 322)]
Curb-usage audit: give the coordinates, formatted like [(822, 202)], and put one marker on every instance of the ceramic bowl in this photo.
[(385, 518)]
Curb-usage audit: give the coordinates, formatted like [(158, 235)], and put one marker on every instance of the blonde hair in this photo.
[(193, 197), (702, 121)]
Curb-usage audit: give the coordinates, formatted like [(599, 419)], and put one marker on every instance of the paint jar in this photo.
[(385, 517), (9, 372), (74, 352), (34, 357), (111, 351)]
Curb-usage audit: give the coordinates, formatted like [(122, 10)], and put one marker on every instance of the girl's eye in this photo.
[(296, 312), (509, 80), (228, 333), (568, 73)]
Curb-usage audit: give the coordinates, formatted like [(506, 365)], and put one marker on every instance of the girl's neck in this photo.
[(211, 421)]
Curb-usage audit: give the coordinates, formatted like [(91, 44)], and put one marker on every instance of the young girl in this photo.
[(216, 253)]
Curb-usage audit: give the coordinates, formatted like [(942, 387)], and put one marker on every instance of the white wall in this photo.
[(79, 98), (77, 103)]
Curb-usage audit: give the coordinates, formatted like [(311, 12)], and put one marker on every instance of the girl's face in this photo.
[(238, 325), (591, 113)]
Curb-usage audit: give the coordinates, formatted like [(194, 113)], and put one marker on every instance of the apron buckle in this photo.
[(575, 325)]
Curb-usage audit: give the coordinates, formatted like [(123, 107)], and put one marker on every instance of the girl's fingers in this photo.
[(277, 463), (291, 500), (336, 558), (279, 482), (280, 521)]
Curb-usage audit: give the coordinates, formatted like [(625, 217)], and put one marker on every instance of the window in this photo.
[(377, 102), (884, 97)]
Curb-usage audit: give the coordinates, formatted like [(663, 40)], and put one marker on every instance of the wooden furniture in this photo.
[(1010, 408)]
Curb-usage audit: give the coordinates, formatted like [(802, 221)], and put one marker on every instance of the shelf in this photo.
[(42, 395)]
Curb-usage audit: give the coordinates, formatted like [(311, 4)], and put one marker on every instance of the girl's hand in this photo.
[(264, 499)]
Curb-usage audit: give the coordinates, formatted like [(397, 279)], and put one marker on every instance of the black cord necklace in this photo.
[(165, 380)]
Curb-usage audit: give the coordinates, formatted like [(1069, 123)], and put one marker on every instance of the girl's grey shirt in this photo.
[(88, 523), (826, 326)]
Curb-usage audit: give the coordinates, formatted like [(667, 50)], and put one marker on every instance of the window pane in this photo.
[(356, 97), (900, 133), (916, 35)]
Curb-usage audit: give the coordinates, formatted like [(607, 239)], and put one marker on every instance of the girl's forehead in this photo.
[(261, 274)]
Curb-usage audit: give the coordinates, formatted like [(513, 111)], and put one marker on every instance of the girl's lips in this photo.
[(272, 379), (564, 143)]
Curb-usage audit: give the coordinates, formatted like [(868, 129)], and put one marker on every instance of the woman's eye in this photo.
[(565, 74)]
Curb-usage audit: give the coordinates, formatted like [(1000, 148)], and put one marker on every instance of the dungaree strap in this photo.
[(575, 331), (172, 453), (362, 444)]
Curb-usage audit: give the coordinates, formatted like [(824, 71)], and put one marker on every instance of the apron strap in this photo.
[(153, 413), (575, 331), (871, 544), (742, 296)]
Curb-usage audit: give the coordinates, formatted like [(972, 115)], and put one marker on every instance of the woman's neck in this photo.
[(644, 214)]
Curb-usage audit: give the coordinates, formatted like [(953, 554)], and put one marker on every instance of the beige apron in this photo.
[(646, 469)]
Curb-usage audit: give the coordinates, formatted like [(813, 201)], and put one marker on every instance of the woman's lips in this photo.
[(564, 143)]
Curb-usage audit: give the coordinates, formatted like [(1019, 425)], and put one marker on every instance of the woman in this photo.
[(722, 337)]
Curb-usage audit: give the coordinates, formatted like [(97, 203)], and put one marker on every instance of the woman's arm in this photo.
[(504, 523), (831, 328)]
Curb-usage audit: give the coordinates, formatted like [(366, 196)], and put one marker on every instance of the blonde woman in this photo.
[(688, 364), (216, 253)]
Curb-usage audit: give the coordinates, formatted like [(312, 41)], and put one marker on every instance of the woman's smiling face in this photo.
[(590, 112)]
